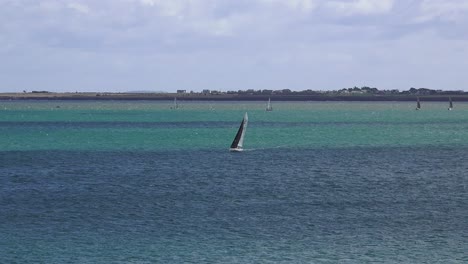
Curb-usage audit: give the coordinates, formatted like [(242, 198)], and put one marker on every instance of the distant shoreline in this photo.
[(223, 97)]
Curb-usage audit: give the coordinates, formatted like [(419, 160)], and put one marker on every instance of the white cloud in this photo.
[(227, 26), (168, 8), (361, 7), (149, 2), (269, 42), (50, 5), (448, 10), (80, 8), (305, 6), (183, 8)]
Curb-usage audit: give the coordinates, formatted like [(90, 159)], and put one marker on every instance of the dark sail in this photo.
[(451, 104), (239, 139), (418, 106), (236, 140)]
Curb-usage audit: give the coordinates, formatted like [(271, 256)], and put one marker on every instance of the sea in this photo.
[(317, 182)]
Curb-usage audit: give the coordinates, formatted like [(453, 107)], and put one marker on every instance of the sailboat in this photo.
[(176, 105), (450, 104), (418, 105), (269, 108), (239, 139)]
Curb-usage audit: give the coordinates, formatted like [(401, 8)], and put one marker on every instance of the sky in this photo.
[(225, 45)]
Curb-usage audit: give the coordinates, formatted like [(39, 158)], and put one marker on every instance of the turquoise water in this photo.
[(154, 126), (319, 182)]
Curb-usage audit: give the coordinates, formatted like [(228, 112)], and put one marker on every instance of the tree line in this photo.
[(364, 90)]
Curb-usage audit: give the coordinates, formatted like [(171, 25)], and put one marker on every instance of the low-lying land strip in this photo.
[(226, 97)]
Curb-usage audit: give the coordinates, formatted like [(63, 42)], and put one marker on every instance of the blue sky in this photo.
[(164, 45)]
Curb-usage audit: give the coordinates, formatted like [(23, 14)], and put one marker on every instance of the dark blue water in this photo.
[(308, 205)]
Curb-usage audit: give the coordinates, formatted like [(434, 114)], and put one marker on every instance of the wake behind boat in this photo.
[(238, 141)]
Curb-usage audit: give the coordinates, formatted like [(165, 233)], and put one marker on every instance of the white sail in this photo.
[(241, 141), (269, 108)]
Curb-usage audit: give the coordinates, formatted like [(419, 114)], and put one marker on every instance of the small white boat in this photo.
[(238, 141), (269, 108)]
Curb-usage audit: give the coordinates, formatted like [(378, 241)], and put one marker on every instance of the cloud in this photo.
[(361, 7), (224, 44), (149, 2), (444, 10), (50, 5), (168, 8), (81, 8), (305, 6)]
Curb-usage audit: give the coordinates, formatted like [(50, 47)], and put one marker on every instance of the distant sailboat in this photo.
[(239, 139), (176, 105), (418, 105), (450, 104), (269, 108)]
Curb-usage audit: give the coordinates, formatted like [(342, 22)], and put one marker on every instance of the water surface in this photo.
[(319, 182)]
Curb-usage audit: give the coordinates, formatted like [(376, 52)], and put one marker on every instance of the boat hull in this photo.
[(236, 149)]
